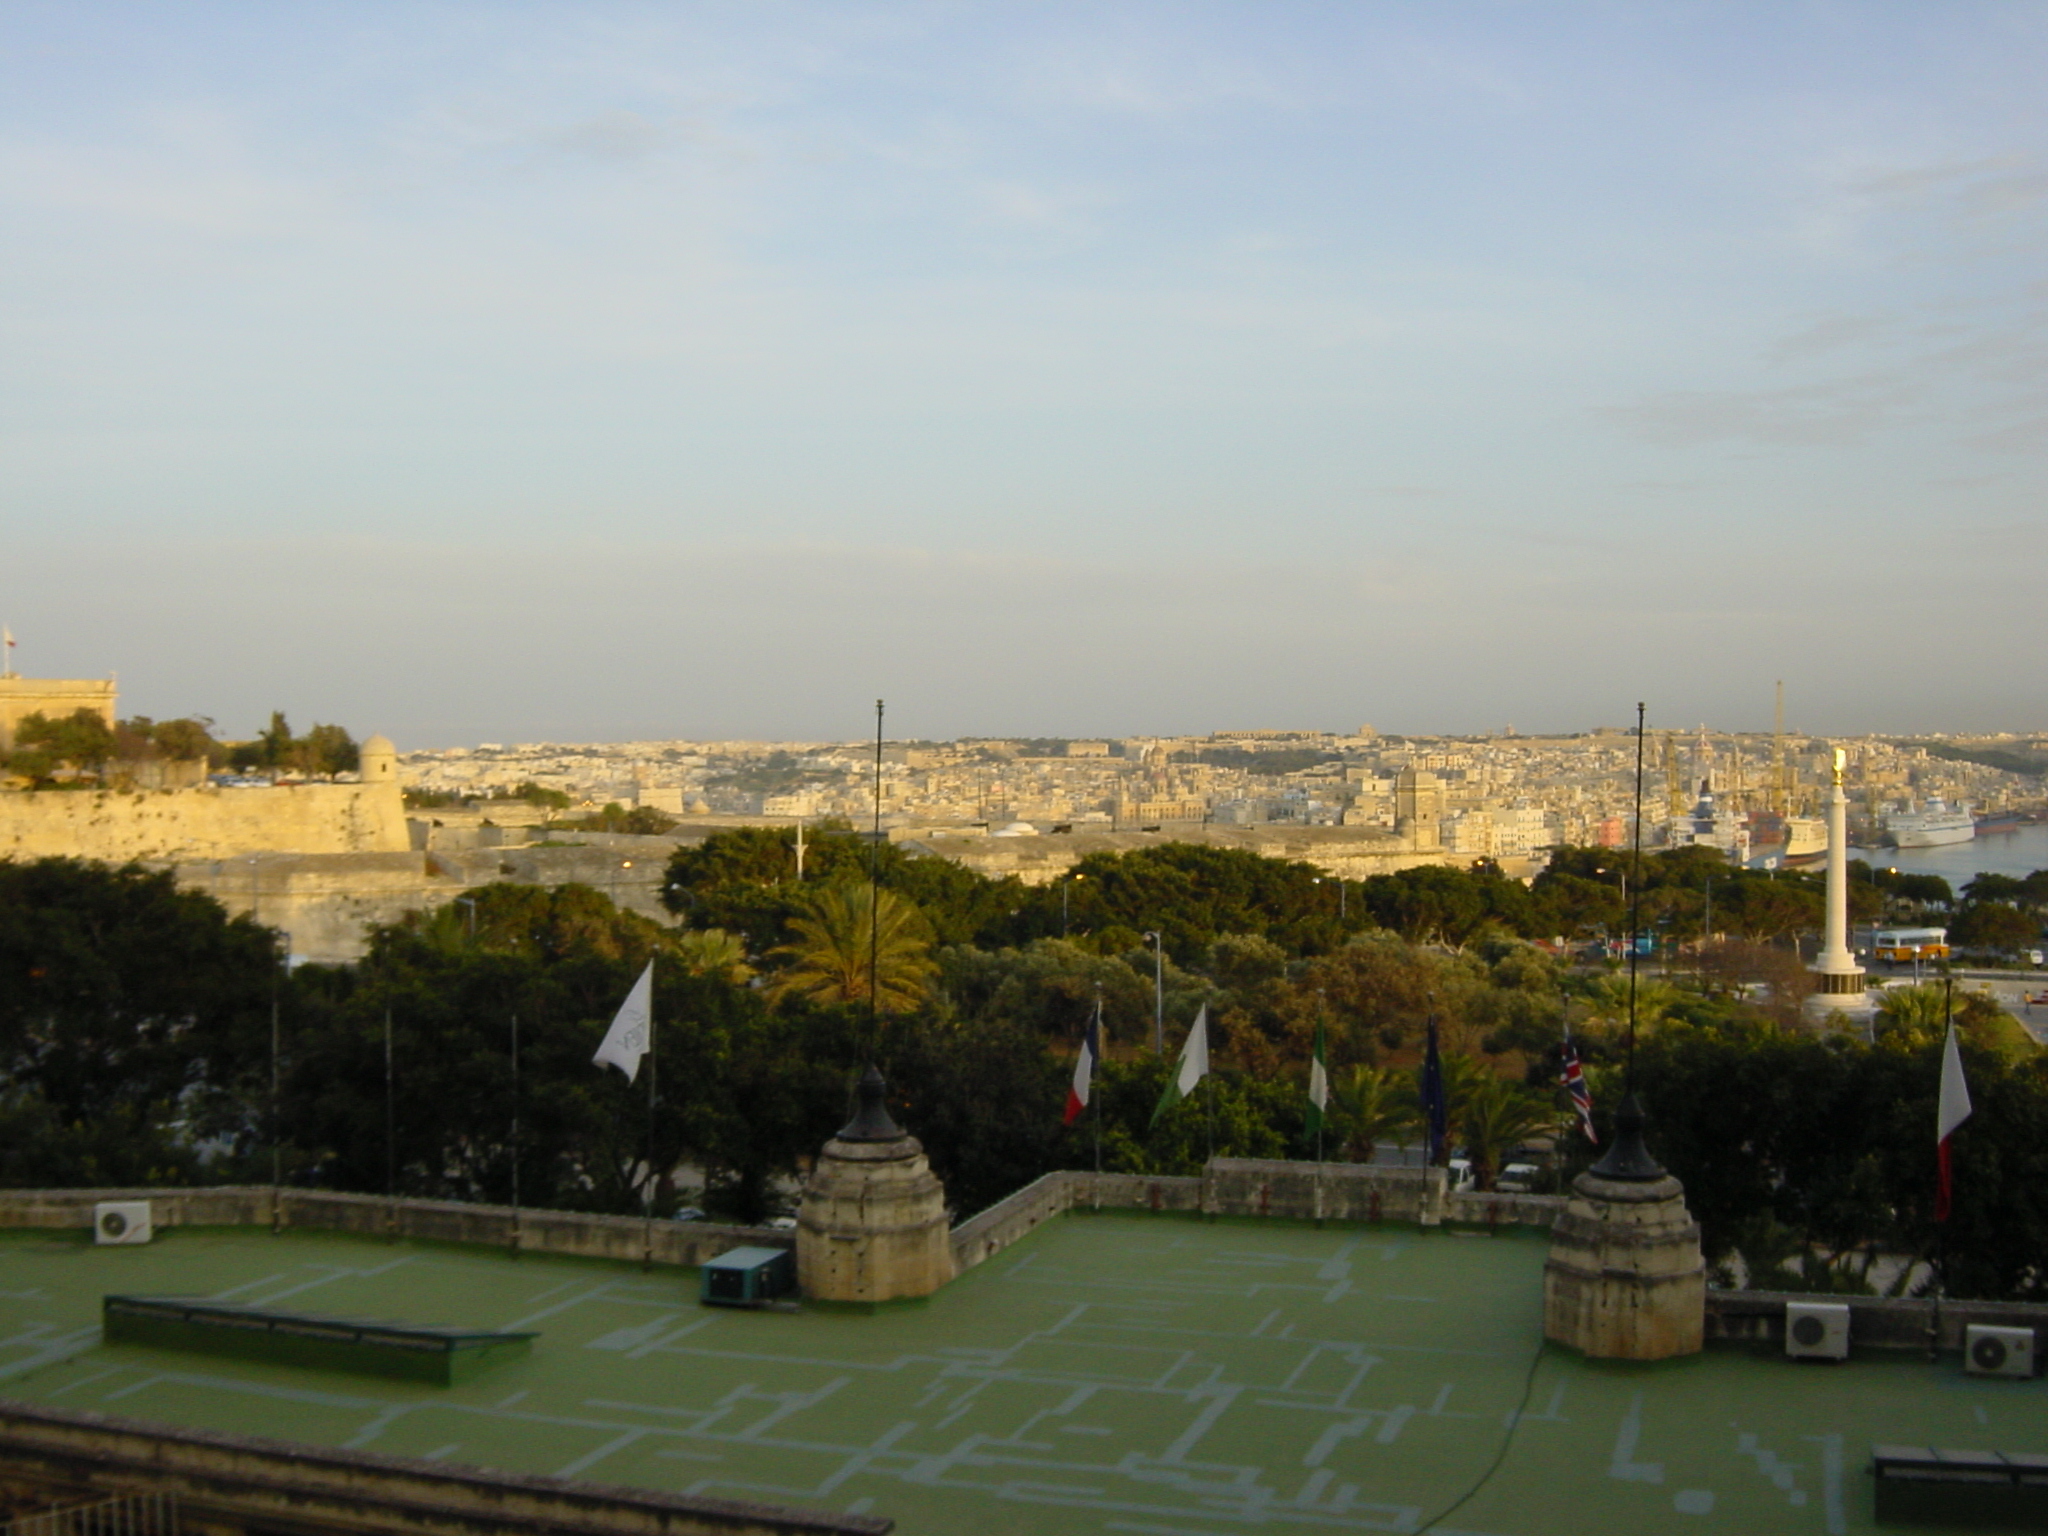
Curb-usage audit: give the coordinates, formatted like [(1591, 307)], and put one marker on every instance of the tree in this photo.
[(855, 942), (326, 750), (1995, 925), (1373, 1106), (81, 740), (1498, 1116), (134, 1019)]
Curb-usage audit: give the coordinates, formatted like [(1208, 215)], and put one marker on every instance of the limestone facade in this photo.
[(207, 823), (54, 699), (1625, 1280), (872, 1226)]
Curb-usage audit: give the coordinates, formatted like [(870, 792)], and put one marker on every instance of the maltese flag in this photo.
[(632, 1032), (1084, 1068), (1955, 1109)]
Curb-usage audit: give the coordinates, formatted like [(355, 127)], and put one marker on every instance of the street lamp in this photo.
[(1158, 995), (469, 902), (1064, 885), (623, 864)]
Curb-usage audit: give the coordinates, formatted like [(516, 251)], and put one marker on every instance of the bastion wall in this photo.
[(209, 823)]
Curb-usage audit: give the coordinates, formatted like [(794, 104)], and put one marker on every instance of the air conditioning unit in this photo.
[(1989, 1351), (1817, 1330), (121, 1221)]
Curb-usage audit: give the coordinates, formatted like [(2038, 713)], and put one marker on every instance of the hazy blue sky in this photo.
[(528, 371)]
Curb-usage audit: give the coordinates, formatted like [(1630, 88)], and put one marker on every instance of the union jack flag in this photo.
[(1573, 1077)]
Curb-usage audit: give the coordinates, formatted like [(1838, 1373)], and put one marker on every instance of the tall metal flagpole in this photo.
[(647, 1255), (515, 1135), (1948, 1014), (1095, 1093), (1635, 900), (276, 1124), (390, 1117), (875, 903)]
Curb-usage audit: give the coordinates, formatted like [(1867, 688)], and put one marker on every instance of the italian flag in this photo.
[(1318, 1086), (1954, 1110), (1194, 1065), (1084, 1068)]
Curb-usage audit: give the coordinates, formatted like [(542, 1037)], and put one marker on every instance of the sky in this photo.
[(610, 371)]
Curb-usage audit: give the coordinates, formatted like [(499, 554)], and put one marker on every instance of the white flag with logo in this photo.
[(632, 1032)]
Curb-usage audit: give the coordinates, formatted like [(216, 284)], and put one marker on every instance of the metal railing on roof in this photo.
[(127, 1514)]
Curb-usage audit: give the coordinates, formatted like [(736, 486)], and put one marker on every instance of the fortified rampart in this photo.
[(208, 823)]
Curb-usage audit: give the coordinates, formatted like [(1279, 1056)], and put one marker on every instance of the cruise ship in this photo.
[(1936, 822)]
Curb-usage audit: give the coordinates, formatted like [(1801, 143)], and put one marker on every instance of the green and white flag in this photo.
[(1318, 1086), (1194, 1065)]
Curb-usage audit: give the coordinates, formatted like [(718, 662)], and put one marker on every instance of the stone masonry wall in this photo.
[(684, 1244), (202, 823)]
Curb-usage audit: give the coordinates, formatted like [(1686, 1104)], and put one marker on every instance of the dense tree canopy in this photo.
[(135, 1029)]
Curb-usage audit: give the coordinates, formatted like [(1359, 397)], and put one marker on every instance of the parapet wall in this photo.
[(1352, 1192), (203, 823), (1875, 1322), (577, 1234), (233, 1485)]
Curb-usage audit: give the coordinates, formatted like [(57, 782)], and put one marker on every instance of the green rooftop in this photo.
[(1110, 1373)]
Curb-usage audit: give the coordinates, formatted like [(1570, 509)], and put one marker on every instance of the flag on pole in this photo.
[(1318, 1086), (1084, 1067), (1436, 1108), (1955, 1109), (1194, 1065), (1574, 1079), (632, 1032)]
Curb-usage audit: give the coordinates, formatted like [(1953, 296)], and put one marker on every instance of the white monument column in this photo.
[(1839, 998)]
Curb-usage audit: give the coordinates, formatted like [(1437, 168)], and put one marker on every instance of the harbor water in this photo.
[(2018, 852)]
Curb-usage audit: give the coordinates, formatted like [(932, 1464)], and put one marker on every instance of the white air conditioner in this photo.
[(1989, 1351), (1817, 1330), (121, 1221)]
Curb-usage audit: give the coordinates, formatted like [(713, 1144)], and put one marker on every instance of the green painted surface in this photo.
[(1108, 1374), (312, 1341)]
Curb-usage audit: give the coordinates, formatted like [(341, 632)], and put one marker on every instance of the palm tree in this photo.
[(853, 933), (1921, 1009), (713, 952), (1499, 1115), (1372, 1107)]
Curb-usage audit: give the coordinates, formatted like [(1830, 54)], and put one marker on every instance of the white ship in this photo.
[(1935, 823), (1805, 836)]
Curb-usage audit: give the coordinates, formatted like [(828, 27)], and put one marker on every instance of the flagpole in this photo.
[(875, 903), (390, 1134), (1635, 898), (1948, 1014), (647, 1257), (515, 1135), (1095, 1094)]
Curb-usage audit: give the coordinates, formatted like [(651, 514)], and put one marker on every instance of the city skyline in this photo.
[(596, 373)]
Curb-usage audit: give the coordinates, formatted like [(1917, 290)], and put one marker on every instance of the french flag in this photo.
[(1955, 1109), (1084, 1067)]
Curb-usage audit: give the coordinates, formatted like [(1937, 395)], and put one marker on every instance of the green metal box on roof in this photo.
[(412, 1352), (748, 1277)]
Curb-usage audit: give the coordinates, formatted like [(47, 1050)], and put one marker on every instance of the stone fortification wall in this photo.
[(324, 902), (579, 1234), (204, 823), (1351, 853), (1875, 1322), (235, 1485)]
